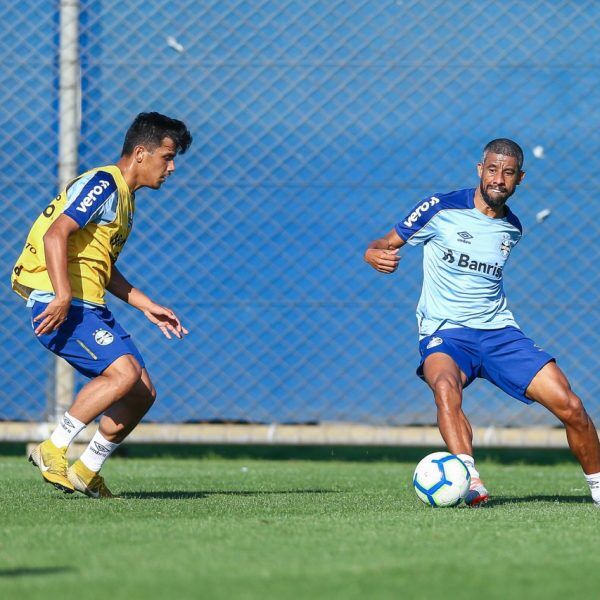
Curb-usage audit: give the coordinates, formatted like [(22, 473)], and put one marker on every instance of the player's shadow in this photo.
[(30, 571), (187, 495), (558, 499)]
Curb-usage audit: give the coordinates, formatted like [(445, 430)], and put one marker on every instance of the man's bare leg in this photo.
[(551, 389), (94, 398), (116, 423), (123, 416), (99, 394), (446, 380)]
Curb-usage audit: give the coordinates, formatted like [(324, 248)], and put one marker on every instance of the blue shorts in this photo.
[(90, 339), (503, 356)]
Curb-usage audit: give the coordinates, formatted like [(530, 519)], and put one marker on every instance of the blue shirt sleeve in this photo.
[(418, 228), (87, 198)]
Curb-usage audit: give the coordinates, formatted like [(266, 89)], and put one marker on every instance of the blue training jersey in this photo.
[(464, 255)]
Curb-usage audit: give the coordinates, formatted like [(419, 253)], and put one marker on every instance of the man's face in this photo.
[(158, 164), (499, 176)]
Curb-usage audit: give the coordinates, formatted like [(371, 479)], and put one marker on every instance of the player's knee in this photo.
[(125, 375), (573, 412), (132, 375), (567, 407)]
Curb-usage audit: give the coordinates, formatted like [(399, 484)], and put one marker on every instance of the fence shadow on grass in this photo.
[(187, 495), (30, 571), (557, 499), (532, 456), (529, 456)]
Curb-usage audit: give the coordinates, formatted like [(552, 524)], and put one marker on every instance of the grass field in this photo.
[(213, 527)]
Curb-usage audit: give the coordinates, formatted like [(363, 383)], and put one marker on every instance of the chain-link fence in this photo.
[(317, 125)]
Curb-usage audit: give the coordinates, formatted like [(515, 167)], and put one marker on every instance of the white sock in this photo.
[(594, 483), (470, 464), (66, 431), (98, 450)]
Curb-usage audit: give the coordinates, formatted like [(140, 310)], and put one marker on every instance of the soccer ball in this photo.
[(441, 479)]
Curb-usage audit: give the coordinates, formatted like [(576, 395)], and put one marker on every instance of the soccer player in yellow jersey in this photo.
[(63, 271)]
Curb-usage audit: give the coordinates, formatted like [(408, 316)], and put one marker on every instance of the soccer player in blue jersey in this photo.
[(67, 264), (466, 329)]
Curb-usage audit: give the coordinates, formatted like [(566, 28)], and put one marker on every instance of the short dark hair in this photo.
[(149, 129), (506, 147)]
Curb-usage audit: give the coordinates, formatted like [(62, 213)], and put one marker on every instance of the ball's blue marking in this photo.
[(426, 491)]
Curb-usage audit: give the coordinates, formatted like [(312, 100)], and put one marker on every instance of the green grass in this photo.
[(256, 528)]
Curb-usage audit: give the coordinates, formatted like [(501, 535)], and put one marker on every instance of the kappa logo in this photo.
[(434, 341), (415, 214), (89, 198), (103, 337)]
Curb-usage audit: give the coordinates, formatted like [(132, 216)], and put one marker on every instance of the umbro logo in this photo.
[(100, 449), (465, 237)]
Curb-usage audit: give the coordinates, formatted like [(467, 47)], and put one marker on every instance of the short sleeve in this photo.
[(419, 226), (88, 197)]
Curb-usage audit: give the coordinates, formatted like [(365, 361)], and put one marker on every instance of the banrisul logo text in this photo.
[(92, 195), (466, 262), (422, 208)]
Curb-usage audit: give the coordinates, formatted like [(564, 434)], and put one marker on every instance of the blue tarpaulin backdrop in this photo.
[(317, 125)]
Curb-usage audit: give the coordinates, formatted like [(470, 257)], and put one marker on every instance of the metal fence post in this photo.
[(69, 128)]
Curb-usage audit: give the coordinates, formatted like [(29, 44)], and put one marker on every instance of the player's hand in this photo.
[(53, 316), (384, 261), (166, 320)]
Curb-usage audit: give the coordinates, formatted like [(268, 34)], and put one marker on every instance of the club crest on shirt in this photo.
[(103, 337), (506, 245)]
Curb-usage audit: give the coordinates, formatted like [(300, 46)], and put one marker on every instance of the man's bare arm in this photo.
[(382, 254), (121, 288), (164, 318), (55, 251)]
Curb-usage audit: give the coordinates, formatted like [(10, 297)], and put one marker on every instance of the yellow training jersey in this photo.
[(102, 204)]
